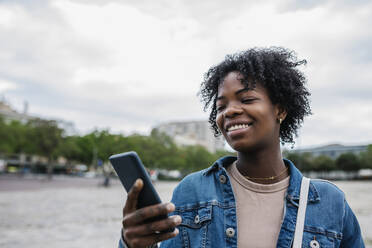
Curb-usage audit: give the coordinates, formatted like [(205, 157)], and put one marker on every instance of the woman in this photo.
[(258, 100)]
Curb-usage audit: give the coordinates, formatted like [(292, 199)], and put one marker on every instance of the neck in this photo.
[(258, 165)]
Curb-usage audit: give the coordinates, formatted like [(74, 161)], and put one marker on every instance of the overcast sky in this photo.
[(130, 65)]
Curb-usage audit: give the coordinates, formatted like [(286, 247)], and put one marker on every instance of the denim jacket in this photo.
[(206, 203)]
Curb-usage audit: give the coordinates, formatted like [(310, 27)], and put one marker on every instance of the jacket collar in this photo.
[(223, 162), (293, 192)]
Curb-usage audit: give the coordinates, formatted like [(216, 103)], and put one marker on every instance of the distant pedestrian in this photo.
[(106, 181)]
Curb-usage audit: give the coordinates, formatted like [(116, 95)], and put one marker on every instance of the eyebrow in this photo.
[(236, 93)]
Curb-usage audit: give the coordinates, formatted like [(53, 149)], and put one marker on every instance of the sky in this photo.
[(131, 65)]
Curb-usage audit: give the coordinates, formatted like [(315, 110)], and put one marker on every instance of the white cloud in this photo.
[(6, 85), (6, 18), (130, 65)]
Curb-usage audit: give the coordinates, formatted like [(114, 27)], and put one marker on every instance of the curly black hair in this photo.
[(274, 68)]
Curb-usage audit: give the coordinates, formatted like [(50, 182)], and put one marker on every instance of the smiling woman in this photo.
[(258, 100)]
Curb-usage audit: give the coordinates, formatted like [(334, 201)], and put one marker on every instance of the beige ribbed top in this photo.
[(259, 209)]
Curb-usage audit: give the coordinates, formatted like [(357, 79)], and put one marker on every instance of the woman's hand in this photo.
[(136, 232)]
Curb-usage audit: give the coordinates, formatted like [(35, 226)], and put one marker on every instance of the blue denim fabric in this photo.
[(206, 202)]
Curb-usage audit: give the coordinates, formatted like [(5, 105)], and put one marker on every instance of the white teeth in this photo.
[(235, 127)]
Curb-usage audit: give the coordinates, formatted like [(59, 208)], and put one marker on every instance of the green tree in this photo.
[(87, 148), (303, 161), (5, 138), (69, 148), (366, 158), (13, 138), (348, 162), (104, 145), (197, 158), (46, 137), (323, 163)]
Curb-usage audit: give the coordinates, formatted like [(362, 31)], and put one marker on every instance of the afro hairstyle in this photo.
[(274, 68)]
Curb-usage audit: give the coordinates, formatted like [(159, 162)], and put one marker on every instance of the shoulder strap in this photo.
[(297, 243)]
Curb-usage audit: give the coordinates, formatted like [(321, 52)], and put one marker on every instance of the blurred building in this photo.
[(193, 133), (333, 150), (10, 114)]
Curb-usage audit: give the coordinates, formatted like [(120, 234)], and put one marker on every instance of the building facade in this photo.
[(9, 114), (193, 133), (333, 150)]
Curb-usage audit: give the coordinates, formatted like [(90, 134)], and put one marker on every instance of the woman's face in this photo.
[(246, 117)]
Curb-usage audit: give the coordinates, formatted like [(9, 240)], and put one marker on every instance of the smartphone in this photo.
[(129, 168)]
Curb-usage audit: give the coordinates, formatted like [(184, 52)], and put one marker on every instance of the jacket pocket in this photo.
[(194, 226), (319, 238)]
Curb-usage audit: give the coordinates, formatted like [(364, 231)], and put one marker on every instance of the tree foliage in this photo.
[(302, 161), (366, 158), (157, 150), (345, 162), (323, 163), (348, 162), (45, 138)]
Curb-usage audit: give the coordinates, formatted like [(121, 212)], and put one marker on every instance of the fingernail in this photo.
[(137, 183), (176, 231), (170, 207), (177, 219)]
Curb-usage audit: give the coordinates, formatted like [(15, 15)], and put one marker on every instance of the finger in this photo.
[(152, 239), (154, 227), (140, 215), (132, 198)]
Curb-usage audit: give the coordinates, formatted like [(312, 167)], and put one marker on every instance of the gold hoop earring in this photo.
[(280, 121)]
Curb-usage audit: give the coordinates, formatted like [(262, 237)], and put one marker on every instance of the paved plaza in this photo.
[(80, 212)]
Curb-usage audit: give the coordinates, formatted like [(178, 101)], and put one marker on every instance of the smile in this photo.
[(238, 126)]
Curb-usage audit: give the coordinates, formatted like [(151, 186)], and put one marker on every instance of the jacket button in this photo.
[(230, 232), (314, 244), (222, 179), (197, 219)]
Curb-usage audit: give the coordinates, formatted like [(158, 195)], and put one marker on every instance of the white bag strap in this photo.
[(297, 243)]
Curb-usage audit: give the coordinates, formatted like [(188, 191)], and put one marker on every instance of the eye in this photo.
[(220, 108), (247, 100)]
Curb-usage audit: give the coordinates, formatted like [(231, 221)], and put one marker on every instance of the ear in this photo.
[(280, 112)]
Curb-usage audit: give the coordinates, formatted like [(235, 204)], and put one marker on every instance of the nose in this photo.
[(232, 111)]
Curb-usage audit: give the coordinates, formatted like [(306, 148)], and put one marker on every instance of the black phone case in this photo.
[(129, 168)]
